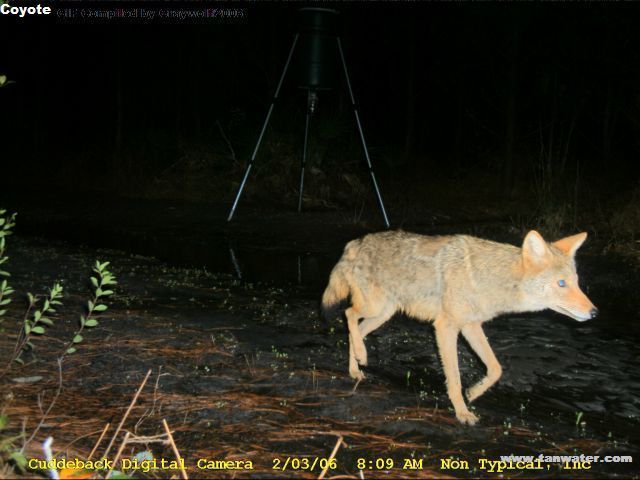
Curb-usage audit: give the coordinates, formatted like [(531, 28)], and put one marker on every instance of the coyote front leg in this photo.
[(478, 342), (447, 339)]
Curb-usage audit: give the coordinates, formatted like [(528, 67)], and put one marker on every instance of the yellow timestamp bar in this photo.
[(500, 466), (389, 463), (303, 463)]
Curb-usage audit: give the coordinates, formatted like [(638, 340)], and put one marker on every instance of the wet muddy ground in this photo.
[(243, 367)]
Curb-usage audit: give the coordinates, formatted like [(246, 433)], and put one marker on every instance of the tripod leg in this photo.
[(364, 143), (304, 150), (264, 127)]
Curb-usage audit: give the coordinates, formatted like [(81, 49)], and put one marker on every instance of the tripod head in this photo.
[(312, 101)]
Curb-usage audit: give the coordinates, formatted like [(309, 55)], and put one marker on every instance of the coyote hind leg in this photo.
[(355, 343), (371, 324), (478, 341), (354, 370), (371, 320), (367, 326)]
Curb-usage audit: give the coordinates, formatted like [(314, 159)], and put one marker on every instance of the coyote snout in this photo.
[(458, 282)]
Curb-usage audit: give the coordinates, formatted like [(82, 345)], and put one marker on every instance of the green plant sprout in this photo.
[(101, 283), (6, 224)]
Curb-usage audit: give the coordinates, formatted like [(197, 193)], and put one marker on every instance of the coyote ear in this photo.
[(535, 251), (569, 245)]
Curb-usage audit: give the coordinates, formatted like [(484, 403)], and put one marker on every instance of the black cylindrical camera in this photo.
[(317, 51)]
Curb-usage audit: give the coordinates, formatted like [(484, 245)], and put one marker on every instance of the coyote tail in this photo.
[(336, 294)]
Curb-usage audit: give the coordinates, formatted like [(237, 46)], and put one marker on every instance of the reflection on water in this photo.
[(249, 263)]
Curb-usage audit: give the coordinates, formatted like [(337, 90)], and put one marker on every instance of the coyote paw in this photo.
[(466, 417), (361, 355), (357, 374)]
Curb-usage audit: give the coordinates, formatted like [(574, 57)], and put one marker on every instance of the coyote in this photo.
[(457, 282)]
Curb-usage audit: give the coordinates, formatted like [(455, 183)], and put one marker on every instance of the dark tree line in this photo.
[(507, 89)]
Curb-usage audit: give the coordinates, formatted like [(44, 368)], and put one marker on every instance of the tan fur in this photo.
[(458, 282)]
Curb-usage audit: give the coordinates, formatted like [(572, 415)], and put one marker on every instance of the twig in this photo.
[(23, 430), (161, 438), (142, 418), (356, 386), (21, 341), (115, 460), (95, 447), (126, 414), (77, 439), (331, 457), (155, 391), (46, 414), (228, 142), (175, 449), (148, 413)]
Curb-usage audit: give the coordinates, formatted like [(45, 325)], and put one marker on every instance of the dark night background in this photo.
[(467, 104), (488, 119)]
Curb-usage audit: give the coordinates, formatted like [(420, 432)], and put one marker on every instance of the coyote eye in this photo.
[(562, 283)]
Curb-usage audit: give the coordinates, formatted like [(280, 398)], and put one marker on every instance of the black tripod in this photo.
[(316, 15)]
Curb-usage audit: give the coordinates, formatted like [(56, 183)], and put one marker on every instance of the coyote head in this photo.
[(550, 279)]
